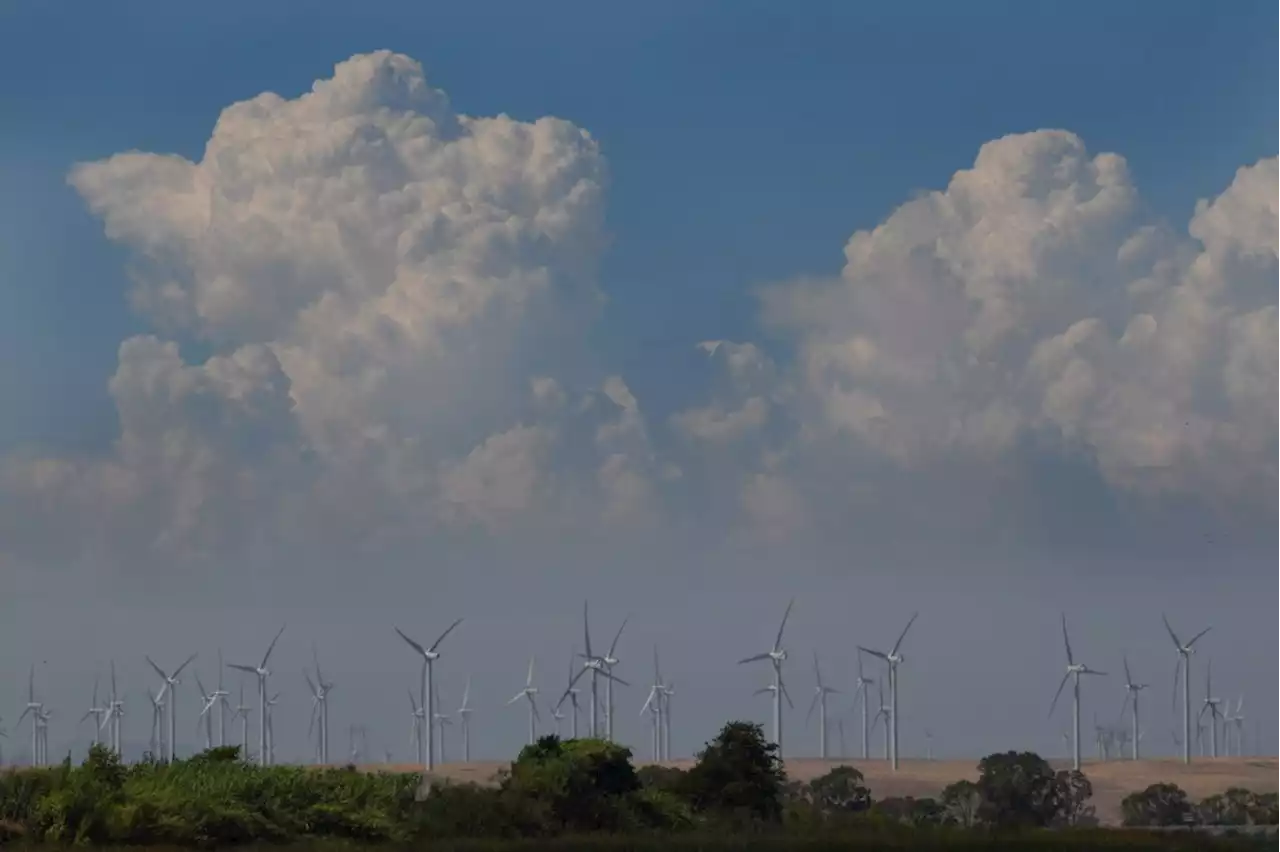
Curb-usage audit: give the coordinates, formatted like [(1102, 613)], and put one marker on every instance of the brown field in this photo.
[(1112, 780)]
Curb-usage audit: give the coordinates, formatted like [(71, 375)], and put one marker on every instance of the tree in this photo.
[(841, 789), (961, 801), (1020, 789), (1159, 804), (587, 785), (739, 774), (1073, 794)]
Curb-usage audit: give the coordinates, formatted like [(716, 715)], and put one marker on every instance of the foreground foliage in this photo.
[(586, 794)]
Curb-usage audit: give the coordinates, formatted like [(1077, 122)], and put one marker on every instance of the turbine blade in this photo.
[(528, 681), (586, 630), (200, 686), (813, 705), (1196, 638), (272, 647), (1058, 694), (757, 658), (1066, 640), (777, 643), (783, 685), (421, 650), (881, 654), (614, 678), (158, 670), (447, 631), (1177, 677), (613, 646), (185, 663), (1090, 671), (238, 667), (1128, 678), (1172, 635), (310, 685), (898, 644)]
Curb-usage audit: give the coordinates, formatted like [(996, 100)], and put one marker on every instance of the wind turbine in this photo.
[(653, 705), (43, 715), (261, 672), (1211, 704), (1235, 720), (205, 719), (1183, 669), (529, 693), (95, 712), (220, 695), (441, 720), (1131, 691), (610, 660), (170, 685), (419, 715), (571, 693), (464, 720), (863, 682), (33, 709), (776, 655), (429, 656), (882, 712), (242, 713), (820, 693), (665, 691), (320, 690), (598, 667), (271, 729), (115, 711), (1074, 670), (157, 723), (893, 658)]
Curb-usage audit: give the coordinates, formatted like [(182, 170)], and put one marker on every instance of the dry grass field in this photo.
[(1112, 780)]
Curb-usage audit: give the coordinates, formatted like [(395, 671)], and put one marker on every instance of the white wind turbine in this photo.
[(441, 720), (893, 659), (97, 713), (429, 656), (666, 690), (43, 715), (261, 672), (883, 711), (1211, 704), (115, 712), (820, 693), (529, 693), (33, 709), (571, 693), (220, 695), (157, 723), (1074, 670), (419, 717), (610, 660), (776, 655), (653, 705), (598, 667), (205, 719), (320, 690), (170, 688), (1131, 691), (271, 729), (464, 720), (242, 713), (862, 683), (1183, 669)]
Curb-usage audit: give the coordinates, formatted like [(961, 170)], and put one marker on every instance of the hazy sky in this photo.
[(351, 319)]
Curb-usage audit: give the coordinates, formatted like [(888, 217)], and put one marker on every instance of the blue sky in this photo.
[(745, 143), (1109, 446)]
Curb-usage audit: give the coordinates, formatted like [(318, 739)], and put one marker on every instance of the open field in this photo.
[(1112, 780)]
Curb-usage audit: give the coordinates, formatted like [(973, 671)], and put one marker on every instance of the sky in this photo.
[(348, 321)]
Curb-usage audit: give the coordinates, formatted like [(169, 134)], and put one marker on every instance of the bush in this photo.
[(738, 776), (1158, 805)]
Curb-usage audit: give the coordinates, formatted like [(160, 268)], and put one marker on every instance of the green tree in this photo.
[(586, 784), (1073, 791), (1159, 804), (961, 801), (738, 774), (841, 789), (1021, 790)]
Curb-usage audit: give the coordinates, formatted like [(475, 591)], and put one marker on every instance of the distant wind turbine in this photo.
[(429, 655), (776, 656), (1074, 670), (530, 694), (820, 693), (893, 659), (598, 667), (1131, 690), (464, 721), (170, 689), (862, 683), (261, 672), (1183, 670)]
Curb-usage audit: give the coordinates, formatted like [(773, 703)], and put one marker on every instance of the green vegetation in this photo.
[(585, 794)]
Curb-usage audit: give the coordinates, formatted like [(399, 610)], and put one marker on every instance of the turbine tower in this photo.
[(220, 696), (1131, 691), (893, 659), (115, 712), (320, 689), (157, 723), (429, 657), (776, 655), (529, 693), (170, 688), (863, 682), (419, 715), (1074, 670), (207, 700), (242, 713), (441, 720), (598, 667), (610, 660), (653, 705), (261, 672), (665, 691), (464, 720), (571, 693), (1183, 669), (820, 693)]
